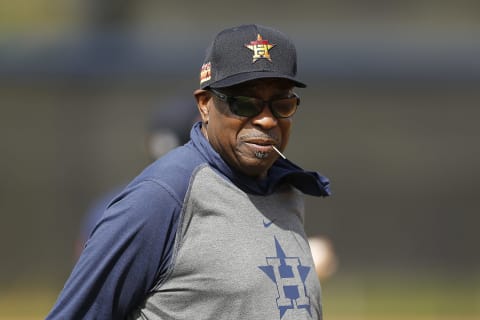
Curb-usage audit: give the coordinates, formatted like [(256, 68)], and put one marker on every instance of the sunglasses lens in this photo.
[(246, 106), (284, 108), (251, 107)]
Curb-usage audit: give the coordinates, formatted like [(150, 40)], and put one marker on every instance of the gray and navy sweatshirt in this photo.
[(190, 238)]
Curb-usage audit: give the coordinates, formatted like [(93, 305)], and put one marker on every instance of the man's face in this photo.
[(246, 142)]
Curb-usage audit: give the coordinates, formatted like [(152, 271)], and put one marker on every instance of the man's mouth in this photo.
[(261, 145), (261, 148)]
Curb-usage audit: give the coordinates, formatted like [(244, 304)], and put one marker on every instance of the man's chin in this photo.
[(256, 167)]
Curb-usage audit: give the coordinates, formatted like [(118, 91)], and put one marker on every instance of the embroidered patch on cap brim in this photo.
[(206, 72)]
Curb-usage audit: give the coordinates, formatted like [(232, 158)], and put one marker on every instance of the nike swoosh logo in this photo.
[(268, 223)]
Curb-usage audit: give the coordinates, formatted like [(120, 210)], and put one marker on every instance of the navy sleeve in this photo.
[(127, 253)]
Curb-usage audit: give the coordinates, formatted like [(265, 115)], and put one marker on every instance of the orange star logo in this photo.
[(260, 49)]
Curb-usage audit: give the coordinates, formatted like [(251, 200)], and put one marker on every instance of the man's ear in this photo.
[(203, 97)]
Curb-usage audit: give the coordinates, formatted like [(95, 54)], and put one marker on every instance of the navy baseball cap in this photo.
[(249, 52)]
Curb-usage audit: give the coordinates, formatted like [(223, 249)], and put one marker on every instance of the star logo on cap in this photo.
[(260, 49)]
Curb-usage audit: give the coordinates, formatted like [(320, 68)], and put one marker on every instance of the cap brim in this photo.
[(243, 77)]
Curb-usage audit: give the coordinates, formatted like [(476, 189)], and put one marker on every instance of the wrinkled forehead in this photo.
[(276, 86)]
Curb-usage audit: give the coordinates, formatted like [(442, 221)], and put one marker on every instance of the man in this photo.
[(214, 229)]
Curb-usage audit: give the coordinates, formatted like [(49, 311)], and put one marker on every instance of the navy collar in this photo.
[(282, 171)]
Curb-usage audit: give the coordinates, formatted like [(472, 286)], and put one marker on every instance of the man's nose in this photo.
[(265, 119)]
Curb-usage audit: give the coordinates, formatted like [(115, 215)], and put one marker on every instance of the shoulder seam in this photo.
[(179, 236), (166, 188)]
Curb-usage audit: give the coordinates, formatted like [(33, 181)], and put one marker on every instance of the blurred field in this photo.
[(345, 297), (399, 296)]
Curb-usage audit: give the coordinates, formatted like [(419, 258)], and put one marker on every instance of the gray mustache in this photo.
[(259, 136)]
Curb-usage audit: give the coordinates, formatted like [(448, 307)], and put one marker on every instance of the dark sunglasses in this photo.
[(251, 107)]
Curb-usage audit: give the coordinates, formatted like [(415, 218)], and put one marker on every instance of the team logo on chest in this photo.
[(289, 275)]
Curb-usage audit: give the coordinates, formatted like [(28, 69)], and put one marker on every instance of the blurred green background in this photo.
[(390, 115)]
